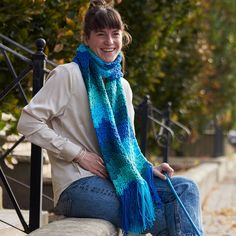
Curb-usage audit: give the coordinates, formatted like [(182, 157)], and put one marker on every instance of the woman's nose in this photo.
[(109, 39)]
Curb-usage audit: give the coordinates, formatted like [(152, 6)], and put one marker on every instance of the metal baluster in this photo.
[(36, 152)]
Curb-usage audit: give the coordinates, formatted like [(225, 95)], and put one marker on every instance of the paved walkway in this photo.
[(219, 208)]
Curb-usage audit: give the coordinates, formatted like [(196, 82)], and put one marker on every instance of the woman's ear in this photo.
[(85, 39)]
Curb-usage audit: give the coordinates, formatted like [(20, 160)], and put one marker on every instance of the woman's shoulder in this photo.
[(67, 67), (125, 84), (66, 71)]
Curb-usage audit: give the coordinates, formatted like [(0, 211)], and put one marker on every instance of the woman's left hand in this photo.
[(159, 170)]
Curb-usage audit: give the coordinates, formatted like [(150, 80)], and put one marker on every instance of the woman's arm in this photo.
[(48, 104), (129, 100)]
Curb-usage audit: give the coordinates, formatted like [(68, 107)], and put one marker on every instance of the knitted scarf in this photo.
[(128, 169)]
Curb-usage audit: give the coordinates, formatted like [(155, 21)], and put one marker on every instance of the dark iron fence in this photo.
[(167, 130), (36, 64), (36, 152)]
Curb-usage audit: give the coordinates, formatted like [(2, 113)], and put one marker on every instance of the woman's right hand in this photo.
[(93, 163)]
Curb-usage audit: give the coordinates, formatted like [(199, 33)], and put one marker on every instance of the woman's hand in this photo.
[(93, 163), (159, 170)]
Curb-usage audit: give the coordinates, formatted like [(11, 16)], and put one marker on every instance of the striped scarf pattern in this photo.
[(129, 171)]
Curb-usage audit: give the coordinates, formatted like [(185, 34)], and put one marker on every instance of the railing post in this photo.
[(144, 107), (36, 152), (166, 117)]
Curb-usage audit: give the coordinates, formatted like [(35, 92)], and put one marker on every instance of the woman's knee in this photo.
[(183, 184)]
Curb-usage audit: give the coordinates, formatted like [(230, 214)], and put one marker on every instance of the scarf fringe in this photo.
[(138, 212), (150, 181), (139, 201)]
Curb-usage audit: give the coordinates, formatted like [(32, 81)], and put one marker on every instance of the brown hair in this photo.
[(100, 15)]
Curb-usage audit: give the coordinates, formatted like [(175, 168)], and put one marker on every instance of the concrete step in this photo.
[(10, 218), (20, 183)]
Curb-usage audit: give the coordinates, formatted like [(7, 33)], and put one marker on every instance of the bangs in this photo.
[(106, 18), (99, 18)]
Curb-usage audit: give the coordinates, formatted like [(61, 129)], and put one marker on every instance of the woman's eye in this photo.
[(116, 34), (100, 34)]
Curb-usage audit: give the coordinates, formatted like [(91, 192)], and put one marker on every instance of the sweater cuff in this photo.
[(70, 150)]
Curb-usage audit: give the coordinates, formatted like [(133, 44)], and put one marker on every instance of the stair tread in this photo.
[(10, 216)]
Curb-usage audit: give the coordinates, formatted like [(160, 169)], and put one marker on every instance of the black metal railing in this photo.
[(36, 64), (165, 134), (39, 60), (12, 85)]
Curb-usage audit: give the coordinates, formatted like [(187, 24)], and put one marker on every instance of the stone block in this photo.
[(77, 227)]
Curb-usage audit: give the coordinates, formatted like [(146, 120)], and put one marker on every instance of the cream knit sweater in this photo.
[(58, 119)]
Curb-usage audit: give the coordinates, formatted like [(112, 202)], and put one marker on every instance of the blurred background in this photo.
[(183, 52), (181, 67)]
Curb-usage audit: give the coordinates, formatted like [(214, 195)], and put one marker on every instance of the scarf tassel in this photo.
[(150, 181), (137, 214)]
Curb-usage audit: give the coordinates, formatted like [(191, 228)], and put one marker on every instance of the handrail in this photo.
[(14, 202), (182, 137), (183, 127), (14, 74), (15, 82), (8, 151), (16, 44), (162, 125), (28, 187), (157, 110), (11, 41), (23, 58), (176, 123)]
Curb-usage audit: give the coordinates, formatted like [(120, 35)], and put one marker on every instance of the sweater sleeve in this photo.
[(129, 100), (49, 103)]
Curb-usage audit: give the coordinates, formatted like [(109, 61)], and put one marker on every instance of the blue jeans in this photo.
[(94, 197)]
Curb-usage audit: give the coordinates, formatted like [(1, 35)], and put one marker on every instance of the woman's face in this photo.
[(105, 43)]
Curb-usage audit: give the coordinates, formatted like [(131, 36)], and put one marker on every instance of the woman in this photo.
[(84, 118)]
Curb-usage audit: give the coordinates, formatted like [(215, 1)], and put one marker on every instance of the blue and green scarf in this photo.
[(128, 169)]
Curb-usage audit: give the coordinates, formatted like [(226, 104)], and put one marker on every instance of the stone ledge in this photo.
[(208, 174), (77, 227)]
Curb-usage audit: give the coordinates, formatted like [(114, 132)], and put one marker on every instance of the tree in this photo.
[(182, 51), (165, 59), (221, 84), (25, 21)]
